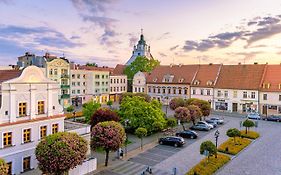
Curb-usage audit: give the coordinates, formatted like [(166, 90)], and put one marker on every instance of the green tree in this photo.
[(3, 167), (194, 113), (141, 113), (109, 103), (182, 114), (248, 124), (109, 135), (130, 94), (91, 64), (89, 109), (233, 132), (140, 133), (142, 64), (171, 122), (176, 102), (208, 146), (70, 108), (158, 126), (60, 152)]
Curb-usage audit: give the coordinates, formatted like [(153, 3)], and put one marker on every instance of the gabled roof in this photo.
[(93, 68), (246, 77), (206, 75), (118, 70), (272, 77), (180, 74), (9, 74)]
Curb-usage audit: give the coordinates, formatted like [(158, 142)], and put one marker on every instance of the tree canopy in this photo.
[(233, 132), (140, 133), (92, 64), (3, 167), (141, 113), (248, 124), (89, 109), (142, 64), (109, 135), (208, 146), (60, 152), (176, 102), (103, 114), (130, 94), (182, 114), (194, 113)]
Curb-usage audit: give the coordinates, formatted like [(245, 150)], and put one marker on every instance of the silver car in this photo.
[(255, 116), (218, 120)]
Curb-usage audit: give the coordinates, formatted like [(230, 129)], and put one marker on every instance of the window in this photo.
[(73, 91), (208, 92), (169, 91), (84, 91), (117, 80), (73, 83), (219, 93), (175, 91), (164, 90), (55, 72), (110, 89), (84, 83), (78, 75), (158, 90), (73, 75), (120, 80), (139, 82), (264, 96), (193, 91), (202, 91), (97, 83), (43, 132), (78, 83), (154, 90), (226, 93), (6, 112), (22, 109), (149, 89), (7, 139), (279, 97), (111, 81), (117, 89), (102, 76), (97, 76), (253, 95), (78, 91), (26, 135), (114, 81), (185, 91), (55, 128), (106, 76), (41, 107), (136, 89), (51, 72), (84, 76), (179, 90), (102, 83), (234, 94), (26, 164), (142, 89), (10, 166), (244, 94)]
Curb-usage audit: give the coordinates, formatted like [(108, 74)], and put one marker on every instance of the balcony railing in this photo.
[(64, 96), (64, 76), (65, 86)]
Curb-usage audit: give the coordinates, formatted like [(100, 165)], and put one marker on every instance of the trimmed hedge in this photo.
[(209, 168), (229, 147), (250, 134)]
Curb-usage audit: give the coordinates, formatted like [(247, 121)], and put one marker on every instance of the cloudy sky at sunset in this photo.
[(104, 31)]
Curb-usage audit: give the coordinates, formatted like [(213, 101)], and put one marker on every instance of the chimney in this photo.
[(210, 64), (180, 65), (256, 63), (171, 65), (239, 63)]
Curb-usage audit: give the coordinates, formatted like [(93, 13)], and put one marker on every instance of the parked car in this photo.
[(205, 123), (218, 120), (171, 140), (255, 116), (201, 127), (187, 134), (275, 118), (212, 122)]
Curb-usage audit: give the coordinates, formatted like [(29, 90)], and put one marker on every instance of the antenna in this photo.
[(142, 31)]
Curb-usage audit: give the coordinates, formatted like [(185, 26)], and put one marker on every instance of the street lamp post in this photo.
[(126, 142), (217, 134)]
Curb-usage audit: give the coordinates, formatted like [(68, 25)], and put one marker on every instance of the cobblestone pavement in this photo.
[(262, 157)]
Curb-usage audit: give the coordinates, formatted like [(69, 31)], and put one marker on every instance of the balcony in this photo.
[(64, 96), (64, 76), (65, 86)]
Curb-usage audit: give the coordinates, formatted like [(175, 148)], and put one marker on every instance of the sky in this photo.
[(178, 31)]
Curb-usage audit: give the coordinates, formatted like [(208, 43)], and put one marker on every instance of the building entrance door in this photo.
[(234, 107)]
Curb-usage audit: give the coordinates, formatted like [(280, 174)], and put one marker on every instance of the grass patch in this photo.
[(250, 134), (230, 147), (210, 167)]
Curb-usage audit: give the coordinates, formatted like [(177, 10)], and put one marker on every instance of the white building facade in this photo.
[(78, 87), (118, 85), (139, 83), (29, 111)]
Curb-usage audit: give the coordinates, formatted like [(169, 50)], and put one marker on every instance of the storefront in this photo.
[(221, 105), (271, 109)]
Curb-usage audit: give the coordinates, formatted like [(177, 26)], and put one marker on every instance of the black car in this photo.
[(212, 122), (273, 118), (187, 134), (172, 140), (201, 127)]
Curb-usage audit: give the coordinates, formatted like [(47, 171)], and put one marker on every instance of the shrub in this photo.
[(210, 167), (102, 115), (248, 124), (208, 146), (250, 134), (171, 122), (3, 167), (60, 152), (70, 108), (109, 103), (230, 147), (233, 132), (158, 126), (176, 102)]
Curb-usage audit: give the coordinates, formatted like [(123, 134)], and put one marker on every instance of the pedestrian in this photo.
[(121, 153)]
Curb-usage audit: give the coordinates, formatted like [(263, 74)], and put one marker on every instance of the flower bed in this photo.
[(210, 167), (250, 134), (229, 147)]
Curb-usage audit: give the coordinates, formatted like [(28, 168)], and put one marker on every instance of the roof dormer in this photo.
[(168, 78), (196, 82), (266, 85), (209, 83)]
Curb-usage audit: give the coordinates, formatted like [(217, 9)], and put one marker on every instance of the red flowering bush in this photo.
[(108, 135), (60, 152), (3, 167), (102, 115), (181, 113), (176, 102)]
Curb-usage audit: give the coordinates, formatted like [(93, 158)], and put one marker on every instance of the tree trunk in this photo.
[(183, 126), (141, 142), (106, 156), (246, 130), (193, 121)]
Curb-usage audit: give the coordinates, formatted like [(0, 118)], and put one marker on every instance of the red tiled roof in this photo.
[(119, 70), (273, 77), (206, 73), (93, 68), (9, 74), (184, 72), (240, 77)]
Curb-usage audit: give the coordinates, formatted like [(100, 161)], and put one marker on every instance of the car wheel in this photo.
[(176, 145), (192, 137), (277, 120), (161, 143)]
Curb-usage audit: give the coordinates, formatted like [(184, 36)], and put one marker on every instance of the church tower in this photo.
[(141, 49)]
